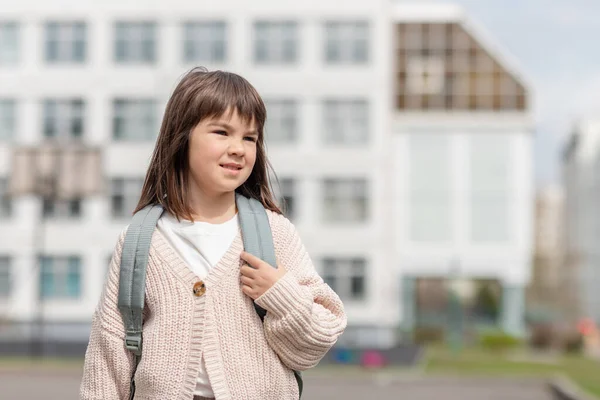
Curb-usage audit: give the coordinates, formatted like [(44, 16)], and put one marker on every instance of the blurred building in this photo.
[(581, 176), (463, 187), (401, 135), (553, 290), (549, 221)]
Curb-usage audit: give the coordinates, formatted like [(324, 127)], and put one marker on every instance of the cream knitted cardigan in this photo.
[(245, 359)]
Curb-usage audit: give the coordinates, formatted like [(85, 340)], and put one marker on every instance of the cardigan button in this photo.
[(199, 289)]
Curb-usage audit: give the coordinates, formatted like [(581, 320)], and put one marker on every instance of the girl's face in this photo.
[(222, 154)]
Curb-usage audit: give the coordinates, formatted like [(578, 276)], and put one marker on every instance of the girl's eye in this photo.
[(221, 132), (250, 138)]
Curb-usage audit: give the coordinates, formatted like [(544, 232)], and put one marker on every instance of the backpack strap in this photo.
[(256, 234), (132, 279)]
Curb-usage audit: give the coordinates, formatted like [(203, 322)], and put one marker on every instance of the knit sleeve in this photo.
[(108, 364), (305, 316)]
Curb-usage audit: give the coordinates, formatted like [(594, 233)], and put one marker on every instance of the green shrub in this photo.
[(498, 341)]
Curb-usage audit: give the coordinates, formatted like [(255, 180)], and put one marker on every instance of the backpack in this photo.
[(257, 239)]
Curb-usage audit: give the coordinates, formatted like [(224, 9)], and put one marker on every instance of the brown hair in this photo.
[(199, 95)]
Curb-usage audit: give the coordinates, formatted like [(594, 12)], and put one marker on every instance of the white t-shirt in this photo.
[(201, 245)]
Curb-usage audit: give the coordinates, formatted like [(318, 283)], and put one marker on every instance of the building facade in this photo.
[(400, 134), (581, 172)]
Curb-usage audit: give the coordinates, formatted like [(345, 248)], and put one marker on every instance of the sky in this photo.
[(555, 45)]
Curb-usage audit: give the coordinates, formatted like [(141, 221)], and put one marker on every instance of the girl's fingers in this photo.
[(252, 260), (246, 280), (247, 290), (248, 271)]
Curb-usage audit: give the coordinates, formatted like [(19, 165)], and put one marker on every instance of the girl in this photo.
[(210, 343)]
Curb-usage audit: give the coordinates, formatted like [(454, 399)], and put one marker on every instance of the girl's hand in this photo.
[(258, 276)]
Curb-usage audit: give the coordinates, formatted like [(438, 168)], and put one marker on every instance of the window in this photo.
[(135, 42), (134, 120), (7, 119), (60, 277), (346, 276), (5, 202), (430, 299), (275, 42), (204, 41), (490, 188), (5, 277), (346, 42), (282, 121), (425, 75), (9, 43), (441, 67), (345, 200), (285, 192), (430, 188), (125, 194), (66, 42), (61, 209), (63, 119), (346, 122)]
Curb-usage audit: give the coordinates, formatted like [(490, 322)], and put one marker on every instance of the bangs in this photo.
[(222, 94)]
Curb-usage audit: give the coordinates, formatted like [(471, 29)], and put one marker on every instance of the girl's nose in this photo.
[(236, 147)]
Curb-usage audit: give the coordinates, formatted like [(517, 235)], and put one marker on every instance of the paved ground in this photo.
[(425, 389), (63, 385)]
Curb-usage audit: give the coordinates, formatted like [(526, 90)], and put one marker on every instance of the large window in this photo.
[(346, 42), (282, 121), (64, 119), (431, 302), (60, 277), (286, 194), (5, 277), (5, 202), (61, 209), (125, 194), (491, 215), (442, 67), (135, 42), (345, 200), (346, 276), (204, 41), (345, 122), (8, 108), (276, 42), (134, 119), (65, 42), (430, 183), (9, 43)]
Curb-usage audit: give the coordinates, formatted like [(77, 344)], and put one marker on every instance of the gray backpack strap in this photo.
[(256, 234), (258, 241), (256, 230), (132, 278)]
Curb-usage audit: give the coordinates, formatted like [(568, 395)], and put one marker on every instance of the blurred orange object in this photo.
[(591, 337), (586, 326)]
